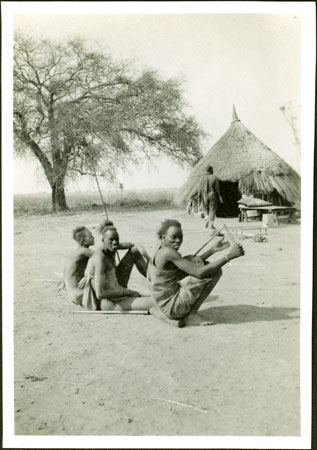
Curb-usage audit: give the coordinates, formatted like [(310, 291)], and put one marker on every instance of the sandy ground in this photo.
[(78, 374)]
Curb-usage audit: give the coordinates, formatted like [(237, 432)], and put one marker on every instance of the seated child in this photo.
[(76, 265)]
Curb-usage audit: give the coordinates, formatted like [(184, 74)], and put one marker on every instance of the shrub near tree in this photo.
[(79, 111)]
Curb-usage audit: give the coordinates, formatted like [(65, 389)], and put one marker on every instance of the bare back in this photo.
[(212, 182), (75, 266)]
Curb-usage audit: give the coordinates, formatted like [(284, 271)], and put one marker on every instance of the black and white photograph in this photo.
[(157, 224)]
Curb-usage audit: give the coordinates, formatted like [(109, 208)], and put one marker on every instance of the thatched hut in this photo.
[(244, 165)]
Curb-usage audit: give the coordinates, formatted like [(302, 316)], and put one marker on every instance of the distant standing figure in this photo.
[(209, 192), (77, 262)]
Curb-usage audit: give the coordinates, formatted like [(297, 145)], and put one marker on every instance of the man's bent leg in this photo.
[(136, 303), (140, 261), (127, 304), (107, 305), (206, 291), (124, 268), (193, 317)]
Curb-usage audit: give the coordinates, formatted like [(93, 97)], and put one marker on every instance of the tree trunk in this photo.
[(58, 197)]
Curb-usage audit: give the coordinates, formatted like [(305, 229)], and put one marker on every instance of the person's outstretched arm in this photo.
[(208, 269)]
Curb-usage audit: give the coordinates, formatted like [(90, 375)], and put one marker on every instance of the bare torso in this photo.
[(76, 266), (109, 279)]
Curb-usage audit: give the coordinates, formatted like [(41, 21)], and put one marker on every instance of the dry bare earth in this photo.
[(79, 374)]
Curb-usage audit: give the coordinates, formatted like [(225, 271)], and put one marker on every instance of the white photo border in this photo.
[(306, 10)]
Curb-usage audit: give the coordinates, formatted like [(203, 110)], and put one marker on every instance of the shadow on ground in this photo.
[(235, 314)]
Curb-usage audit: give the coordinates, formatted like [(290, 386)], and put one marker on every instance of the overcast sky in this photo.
[(250, 60)]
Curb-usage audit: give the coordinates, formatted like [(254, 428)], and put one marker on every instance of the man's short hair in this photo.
[(166, 225), (210, 169), (106, 225), (79, 232)]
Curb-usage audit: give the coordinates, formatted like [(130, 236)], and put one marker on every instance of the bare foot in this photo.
[(156, 312), (197, 320)]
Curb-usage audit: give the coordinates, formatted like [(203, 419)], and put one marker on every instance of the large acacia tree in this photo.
[(77, 110)]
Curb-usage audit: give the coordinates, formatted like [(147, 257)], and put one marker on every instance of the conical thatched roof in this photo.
[(239, 156)]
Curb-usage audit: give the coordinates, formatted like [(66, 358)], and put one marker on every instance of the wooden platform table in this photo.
[(275, 210)]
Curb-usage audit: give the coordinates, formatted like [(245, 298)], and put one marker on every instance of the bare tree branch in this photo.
[(74, 106)]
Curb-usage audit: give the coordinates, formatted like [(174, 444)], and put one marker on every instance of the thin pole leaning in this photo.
[(100, 193)]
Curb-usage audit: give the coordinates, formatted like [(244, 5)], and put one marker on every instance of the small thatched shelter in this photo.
[(244, 165)]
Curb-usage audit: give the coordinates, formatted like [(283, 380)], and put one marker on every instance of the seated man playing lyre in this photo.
[(179, 285)]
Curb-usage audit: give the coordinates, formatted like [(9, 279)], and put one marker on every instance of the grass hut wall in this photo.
[(244, 165)]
